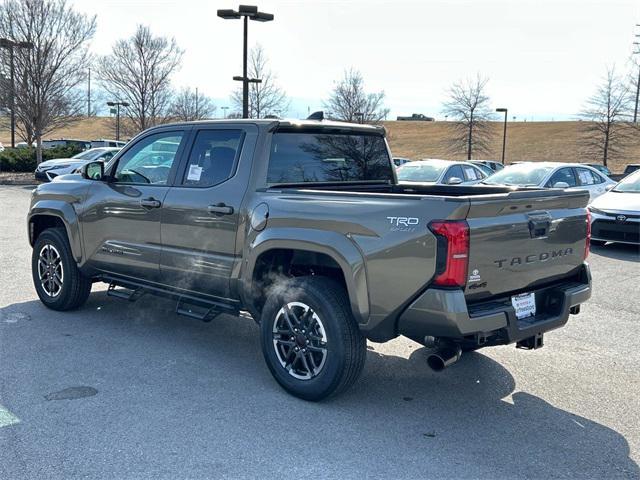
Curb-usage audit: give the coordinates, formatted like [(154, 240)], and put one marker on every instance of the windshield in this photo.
[(298, 157), (522, 174), (631, 184), (89, 154), (421, 172)]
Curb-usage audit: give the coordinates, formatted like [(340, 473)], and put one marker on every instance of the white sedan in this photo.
[(440, 172), (50, 169), (615, 216), (571, 176)]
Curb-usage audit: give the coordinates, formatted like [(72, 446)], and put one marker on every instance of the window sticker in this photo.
[(195, 172)]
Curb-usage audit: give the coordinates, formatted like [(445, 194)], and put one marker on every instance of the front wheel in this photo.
[(59, 283), (310, 340)]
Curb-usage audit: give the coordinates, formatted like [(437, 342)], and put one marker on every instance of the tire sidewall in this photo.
[(57, 240), (332, 318)]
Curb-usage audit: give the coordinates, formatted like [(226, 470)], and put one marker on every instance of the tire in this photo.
[(327, 337), (58, 282), (597, 243)]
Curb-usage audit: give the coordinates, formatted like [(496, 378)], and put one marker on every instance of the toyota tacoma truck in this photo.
[(303, 226)]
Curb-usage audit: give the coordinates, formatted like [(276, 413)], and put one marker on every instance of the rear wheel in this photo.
[(310, 340), (58, 282)]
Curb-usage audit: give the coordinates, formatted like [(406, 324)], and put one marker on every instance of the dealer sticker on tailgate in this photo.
[(524, 304)]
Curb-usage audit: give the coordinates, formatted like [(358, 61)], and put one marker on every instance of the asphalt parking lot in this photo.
[(131, 390)]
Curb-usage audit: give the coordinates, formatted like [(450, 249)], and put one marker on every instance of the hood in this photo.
[(624, 202)]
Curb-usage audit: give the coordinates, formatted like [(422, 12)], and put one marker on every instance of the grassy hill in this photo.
[(559, 141)]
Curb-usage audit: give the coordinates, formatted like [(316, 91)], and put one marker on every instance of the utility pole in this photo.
[(117, 105), (637, 52), (10, 45), (89, 95), (197, 117)]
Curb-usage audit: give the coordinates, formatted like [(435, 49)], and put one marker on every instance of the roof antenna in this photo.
[(319, 115)]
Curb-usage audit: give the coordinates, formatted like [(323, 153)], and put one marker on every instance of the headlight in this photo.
[(58, 167), (595, 210)]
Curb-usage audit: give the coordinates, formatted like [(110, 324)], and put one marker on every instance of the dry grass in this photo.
[(557, 141)]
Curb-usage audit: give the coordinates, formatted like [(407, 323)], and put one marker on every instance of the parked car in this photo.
[(416, 117), (615, 216), (486, 169), (107, 143), (399, 161), (495, 166), (282, 221), (50, 169), (66, 142), (632, 167), (571, 176), (601, 168), (440, 172), (1, 147)]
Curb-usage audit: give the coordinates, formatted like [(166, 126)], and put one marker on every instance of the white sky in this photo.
[(543, 57)]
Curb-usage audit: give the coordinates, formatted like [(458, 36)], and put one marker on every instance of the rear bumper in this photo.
[(445, 314)]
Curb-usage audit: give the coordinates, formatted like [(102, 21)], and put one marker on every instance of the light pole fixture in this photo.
[(10, 45), (360, 116), (504, 135), (224, 111), (118, 105), (246, 12)]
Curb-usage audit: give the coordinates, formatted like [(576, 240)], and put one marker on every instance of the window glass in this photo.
[(328, 157), (107, 155), (149, 160), (563, 175), (522, 174), (472, 173), (587, 177), (420, 172), (212, 157), (455, 171)]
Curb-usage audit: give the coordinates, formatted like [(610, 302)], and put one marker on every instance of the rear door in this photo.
[(591, 181), (201, 212), (524, 239), (121, 219)]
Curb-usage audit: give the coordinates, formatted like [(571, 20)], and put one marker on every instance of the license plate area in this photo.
[(524, 304)]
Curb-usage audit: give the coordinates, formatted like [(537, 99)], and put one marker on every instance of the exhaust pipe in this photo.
[(444, 356)]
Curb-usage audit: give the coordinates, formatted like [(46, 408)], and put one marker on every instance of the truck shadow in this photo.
[(174, 384)]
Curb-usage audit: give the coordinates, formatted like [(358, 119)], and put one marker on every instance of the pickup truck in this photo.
[(303, 226)]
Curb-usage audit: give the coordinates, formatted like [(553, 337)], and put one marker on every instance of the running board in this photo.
[(187, 305)]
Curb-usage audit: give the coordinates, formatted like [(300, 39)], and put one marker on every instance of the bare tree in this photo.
[(608, 130), (188, 105), (48, 76), (468, 107), (138, 71), (350, 102), (266, 97)]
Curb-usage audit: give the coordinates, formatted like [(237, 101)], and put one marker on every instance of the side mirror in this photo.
[(610, 186), (93, 171), (561, 185), (454, 181)]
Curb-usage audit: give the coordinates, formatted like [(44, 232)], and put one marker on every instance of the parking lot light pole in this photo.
[(504, 135), (245, 12), (118, 105), (10, 45)]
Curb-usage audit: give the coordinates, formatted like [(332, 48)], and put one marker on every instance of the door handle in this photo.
[(150, 202), (220, 209)]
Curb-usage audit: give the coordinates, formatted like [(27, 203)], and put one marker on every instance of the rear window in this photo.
[(328, 157)]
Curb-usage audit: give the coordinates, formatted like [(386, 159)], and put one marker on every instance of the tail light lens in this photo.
[(456, 235), (588, 244)]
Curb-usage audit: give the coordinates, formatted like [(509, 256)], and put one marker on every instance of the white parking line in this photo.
[(7, 418)]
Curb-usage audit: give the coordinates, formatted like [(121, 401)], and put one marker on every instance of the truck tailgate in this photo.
[(524, 239)]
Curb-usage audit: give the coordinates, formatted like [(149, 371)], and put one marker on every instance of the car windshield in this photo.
[(631, 184), (91, 154), (421, 172), (521, 174)]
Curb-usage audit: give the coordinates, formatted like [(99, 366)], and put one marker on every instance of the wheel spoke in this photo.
[(312, 361), (313, 348), (303, 357), (287, 316)]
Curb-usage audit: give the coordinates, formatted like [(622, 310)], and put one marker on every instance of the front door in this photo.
[(121, 221), (201, 212)]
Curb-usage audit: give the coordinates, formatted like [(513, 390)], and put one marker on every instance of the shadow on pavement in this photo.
[(618, 251), (168, 384)]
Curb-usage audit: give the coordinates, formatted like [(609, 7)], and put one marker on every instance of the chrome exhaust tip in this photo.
[(443, 357)]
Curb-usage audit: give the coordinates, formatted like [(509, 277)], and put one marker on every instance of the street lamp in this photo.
[(118, 105), (248, 12), (504, 135), (10, 45)]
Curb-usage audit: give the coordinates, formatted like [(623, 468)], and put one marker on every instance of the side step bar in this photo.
[(188, 305)]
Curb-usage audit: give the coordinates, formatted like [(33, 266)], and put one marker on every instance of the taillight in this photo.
[(456, 235), (588, 244)]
